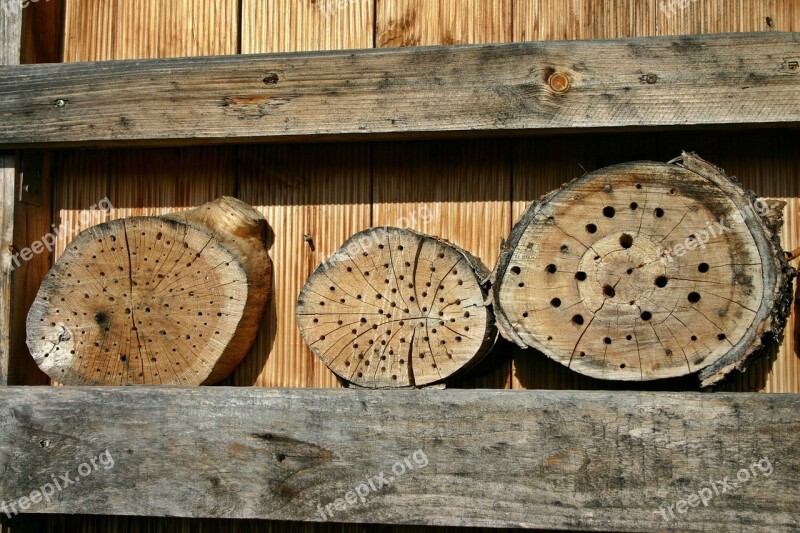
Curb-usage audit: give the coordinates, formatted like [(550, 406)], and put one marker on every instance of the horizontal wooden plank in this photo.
[(726, 79), (551, 459)]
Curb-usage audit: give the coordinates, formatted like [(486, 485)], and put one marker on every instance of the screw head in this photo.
[(60, 103)]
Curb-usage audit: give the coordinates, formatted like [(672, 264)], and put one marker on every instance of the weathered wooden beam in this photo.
[(704, 80), (10, 43), (551, 459)]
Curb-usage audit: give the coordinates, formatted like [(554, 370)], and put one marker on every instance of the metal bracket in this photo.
[(30, 178)]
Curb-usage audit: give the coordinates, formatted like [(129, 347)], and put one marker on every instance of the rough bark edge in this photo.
[(481, 273), (247, 242), (770, 321), (773, 313)]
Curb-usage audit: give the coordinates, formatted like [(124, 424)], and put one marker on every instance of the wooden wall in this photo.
[(468, 191)]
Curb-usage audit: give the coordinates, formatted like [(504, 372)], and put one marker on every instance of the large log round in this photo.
[(172, 300), (645, 270), (395, 308)]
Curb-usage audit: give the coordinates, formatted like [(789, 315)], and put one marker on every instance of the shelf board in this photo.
[(655, 83), (588, 460)]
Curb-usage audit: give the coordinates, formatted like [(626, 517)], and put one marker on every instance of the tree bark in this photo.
[(175, 299), (395, 308), (644, 271)]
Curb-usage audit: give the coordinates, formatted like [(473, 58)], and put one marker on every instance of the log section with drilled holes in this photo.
[(175, 299), (645, 270), (395, 308)]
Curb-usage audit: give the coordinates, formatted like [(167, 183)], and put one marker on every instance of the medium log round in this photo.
[(643, 271), (395, 308), (172, 300)]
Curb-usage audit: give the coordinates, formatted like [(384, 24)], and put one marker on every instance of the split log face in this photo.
[(394, 308), (154, 300), (644, 271)]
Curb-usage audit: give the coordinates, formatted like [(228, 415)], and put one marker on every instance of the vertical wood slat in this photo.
[(146, 181), (460, 191), (10, 43), (322, 191), (541, 165), (41, 43), (548, 20), (765, 161)]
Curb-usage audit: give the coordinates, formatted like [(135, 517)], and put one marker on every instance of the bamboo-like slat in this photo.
[(459, 191), (315, 192)]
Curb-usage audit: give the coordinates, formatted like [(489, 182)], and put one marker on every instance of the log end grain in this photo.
[(644, 271), (175, 299), (394, 308)]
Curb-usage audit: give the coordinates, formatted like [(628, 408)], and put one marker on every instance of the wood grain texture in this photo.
[(436, 187), (676, 17), (10, 43), (764, 162), (395, 308), (548, 20), (525, 87), (621, 274), (42, 32), (98, 30), (612, 459), (170, 300), (431, 22), (8, 178), (315, 196), (142, 182), (298, 25)]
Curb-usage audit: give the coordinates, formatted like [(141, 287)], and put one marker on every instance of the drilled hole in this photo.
[(555, 302), (580, 276), (551, 268), (591, 228), (609, 291), (702, 267), (515, 270), (625, 240), (634, 206), (577, 319), (646, 315), (694, 297), (661, 281), (658, 212), (609, 211)]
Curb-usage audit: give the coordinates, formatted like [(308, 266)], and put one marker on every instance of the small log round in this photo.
[(644, 271), (170, 300), (394, 308)]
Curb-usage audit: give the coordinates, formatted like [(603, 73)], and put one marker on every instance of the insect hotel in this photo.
[(277, 264)]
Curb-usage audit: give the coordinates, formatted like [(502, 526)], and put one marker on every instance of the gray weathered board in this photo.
[(10, 42), (727, 79), (551, 459)]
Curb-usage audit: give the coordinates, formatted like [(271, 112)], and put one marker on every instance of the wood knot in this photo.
[(559, 82)]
